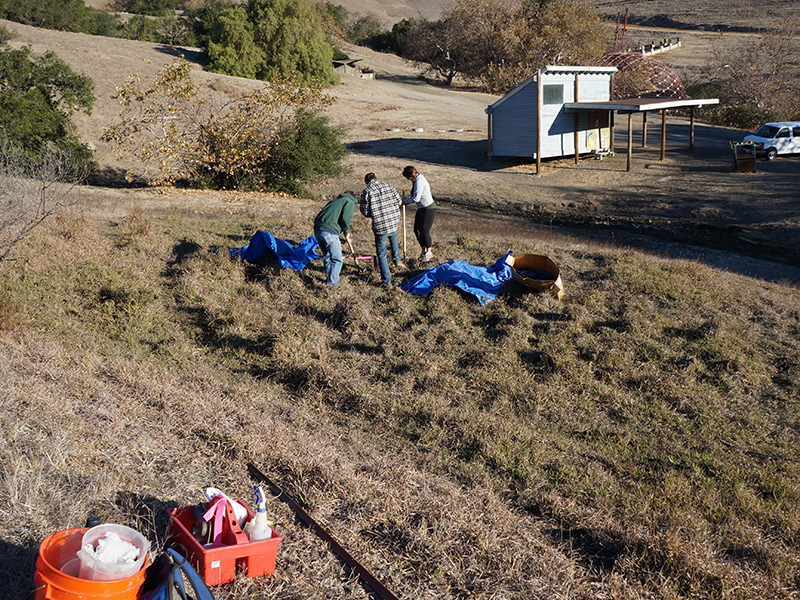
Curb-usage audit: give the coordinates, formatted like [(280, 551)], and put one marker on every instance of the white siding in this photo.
[(515, 119), (592, 88), (514, 124), (558, 126)]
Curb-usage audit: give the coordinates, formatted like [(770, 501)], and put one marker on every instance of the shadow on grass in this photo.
[(193, 55), (112, 177), (596, 549), (444, 151), (19, 565), (183, 251), (150, 514)]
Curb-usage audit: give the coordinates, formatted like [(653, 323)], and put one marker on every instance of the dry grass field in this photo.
[(637, 440)]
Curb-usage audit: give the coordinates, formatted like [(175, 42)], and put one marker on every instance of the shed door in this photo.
[(598, 132)]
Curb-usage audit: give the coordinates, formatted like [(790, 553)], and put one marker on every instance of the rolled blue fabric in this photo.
[(289, 257), (484, 283)]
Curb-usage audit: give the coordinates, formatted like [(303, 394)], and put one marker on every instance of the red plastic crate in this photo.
[(218, 565)]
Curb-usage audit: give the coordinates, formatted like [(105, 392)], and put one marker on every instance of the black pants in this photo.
[(423, 221)]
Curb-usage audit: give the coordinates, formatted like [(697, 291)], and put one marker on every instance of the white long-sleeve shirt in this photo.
[(420, 193)]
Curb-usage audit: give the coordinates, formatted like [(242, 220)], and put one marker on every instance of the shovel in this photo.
[(353, 252), (405, 256)]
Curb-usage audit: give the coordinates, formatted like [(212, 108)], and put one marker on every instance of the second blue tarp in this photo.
[(482, 282), (289, 256)]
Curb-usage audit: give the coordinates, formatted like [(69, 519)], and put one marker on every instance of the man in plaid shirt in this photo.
[(381, 203)]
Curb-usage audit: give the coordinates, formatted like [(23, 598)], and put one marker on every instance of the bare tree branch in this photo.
[(32, 189)]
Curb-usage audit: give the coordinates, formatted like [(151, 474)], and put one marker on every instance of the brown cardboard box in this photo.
[(536, 262)]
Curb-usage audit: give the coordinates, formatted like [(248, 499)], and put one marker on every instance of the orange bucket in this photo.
[(56, 552)]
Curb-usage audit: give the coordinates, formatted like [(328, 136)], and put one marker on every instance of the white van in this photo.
[(772, 139)]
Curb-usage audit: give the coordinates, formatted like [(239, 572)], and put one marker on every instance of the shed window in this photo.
[(553, 94)]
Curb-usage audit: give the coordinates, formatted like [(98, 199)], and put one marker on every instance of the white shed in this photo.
[(532, 120)]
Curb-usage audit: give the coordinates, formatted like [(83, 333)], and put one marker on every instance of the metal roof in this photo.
[(551, 69), (578, 69), (641, 104)]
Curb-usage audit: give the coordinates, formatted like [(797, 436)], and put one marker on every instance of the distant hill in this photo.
[(733, 15), (710, 15)]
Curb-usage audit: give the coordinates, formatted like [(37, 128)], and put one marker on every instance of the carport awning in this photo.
[(642, 104)]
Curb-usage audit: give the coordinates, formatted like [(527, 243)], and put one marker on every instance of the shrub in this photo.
[(290, 34), (747, 115), (759, 81), (309, 149), (396, 40), (232, 48), (63, 15), (33, 188), (139, 27), (6, 34), (364, 29), (337, 14), (176, 135), (145, 7), (98, 22), (37, 97)]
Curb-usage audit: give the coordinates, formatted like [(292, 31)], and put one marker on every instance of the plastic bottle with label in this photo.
[(258, 527)]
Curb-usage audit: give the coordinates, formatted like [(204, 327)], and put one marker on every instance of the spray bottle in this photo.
[(258, 527)]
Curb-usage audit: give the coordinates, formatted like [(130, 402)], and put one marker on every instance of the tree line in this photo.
[(490, 44), (494, 44), (497, 44)]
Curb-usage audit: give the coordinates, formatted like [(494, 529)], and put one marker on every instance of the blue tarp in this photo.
[(482, 282), (289, 257)]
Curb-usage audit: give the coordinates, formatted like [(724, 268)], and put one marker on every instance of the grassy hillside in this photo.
[(734, 15), (638, 439)]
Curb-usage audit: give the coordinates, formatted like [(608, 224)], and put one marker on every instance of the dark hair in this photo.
[(409, 172), (370, 177), (350, 193)]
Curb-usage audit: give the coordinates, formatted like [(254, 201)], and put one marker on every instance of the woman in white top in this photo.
[(426, 211)]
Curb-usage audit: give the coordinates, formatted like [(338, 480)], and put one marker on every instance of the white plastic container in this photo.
[(96, 570), (258, 528), (72, 567)]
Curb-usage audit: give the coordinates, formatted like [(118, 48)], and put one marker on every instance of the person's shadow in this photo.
[(17, 565)]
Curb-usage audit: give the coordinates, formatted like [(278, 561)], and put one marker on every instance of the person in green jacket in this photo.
[(331, 222)]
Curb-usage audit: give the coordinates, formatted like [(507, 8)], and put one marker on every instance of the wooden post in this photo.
[(611, 114), (405, 256), (644, 129), (663, 132), (691, 128), (611, 131), (577, 123), (630, 138)]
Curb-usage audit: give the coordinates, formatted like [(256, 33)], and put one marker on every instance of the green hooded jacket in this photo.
[(337, 213)]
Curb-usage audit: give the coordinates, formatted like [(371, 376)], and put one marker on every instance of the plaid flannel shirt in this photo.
[(381, 202)]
